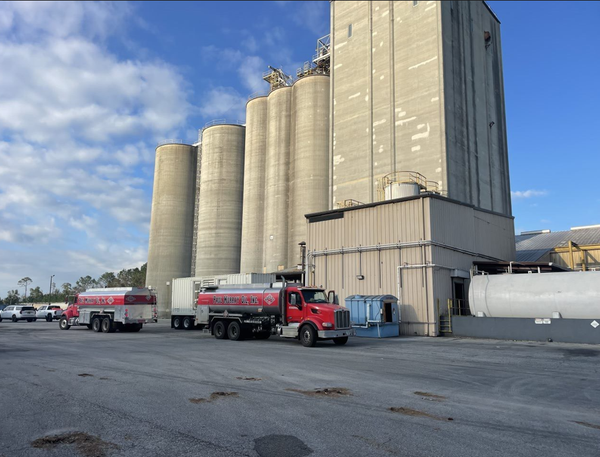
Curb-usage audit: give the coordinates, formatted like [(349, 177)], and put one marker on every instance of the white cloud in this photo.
[(518, 194), (78, 126), (224, 102)]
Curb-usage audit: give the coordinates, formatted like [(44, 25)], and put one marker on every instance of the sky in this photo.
[(87, 90)]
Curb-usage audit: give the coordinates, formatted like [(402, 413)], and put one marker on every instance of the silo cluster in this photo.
[(288, 132)]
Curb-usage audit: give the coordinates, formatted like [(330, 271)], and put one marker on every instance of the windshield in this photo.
[(314, 296)]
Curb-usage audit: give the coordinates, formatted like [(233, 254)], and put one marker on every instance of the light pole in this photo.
[(50, 292)]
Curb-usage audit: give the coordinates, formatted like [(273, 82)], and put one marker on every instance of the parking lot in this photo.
[(163, 392)]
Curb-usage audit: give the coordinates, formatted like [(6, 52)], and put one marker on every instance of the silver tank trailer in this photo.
[(575, 295)]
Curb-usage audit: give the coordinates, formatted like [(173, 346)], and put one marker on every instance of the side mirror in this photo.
[(332, 297)]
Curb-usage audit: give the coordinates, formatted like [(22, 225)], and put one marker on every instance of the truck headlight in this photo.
[(327, 324)]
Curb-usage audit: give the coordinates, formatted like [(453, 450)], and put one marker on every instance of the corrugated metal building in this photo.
[(578, 248), (418, 248)]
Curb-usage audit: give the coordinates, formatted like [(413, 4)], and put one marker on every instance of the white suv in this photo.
[(18, 313)]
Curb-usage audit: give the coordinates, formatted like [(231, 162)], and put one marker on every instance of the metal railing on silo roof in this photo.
[(170, 141), (260, 93), (218, 122)]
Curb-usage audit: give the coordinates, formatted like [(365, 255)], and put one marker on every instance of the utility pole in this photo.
[(50, 290)]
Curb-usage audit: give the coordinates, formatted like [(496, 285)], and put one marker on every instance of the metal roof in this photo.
[(531, 248)]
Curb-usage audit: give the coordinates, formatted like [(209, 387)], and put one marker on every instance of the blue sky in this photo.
[(88, 89)]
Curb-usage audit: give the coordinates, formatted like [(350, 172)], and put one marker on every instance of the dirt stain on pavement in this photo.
[(417, 413), (378, 445), (87, 445), (281, 445), (587, 424), (332, 392), (214, 396), (430, 396), (85, 375), (243, 378)]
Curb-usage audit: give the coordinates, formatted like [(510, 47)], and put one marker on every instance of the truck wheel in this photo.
[(29, 320), (64, 324), (340, 341), (308, 336), (49, 318), (177, 322), (219, 330), (188, 324), (135, 327), (14, 318), (96, 324), (107, 325), (0, 318), (234, 331)]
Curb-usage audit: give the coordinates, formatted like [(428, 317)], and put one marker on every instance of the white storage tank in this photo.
[(401, 190), (573, 295)]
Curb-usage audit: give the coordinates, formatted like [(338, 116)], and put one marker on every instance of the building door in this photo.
[(460, 305)]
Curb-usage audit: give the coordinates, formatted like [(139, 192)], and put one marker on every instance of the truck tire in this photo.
[(49, 318), (29, 320), (0, 318), (340, 341), (136, 327), (14, 318), (177, 322), (234, 331), (96, 324), (188, 323), (220, 331), (308, 336), (63, 324), (106, 325)]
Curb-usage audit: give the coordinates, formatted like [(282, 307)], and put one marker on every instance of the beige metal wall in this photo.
[(172, 219), (309, 164), (220, 203), (253, 214), (415, 88), (427, 237), (275, 234)]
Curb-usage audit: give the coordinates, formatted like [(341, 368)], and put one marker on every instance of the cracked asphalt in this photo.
[(163, 392)]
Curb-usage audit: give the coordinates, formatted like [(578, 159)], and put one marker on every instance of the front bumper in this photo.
[(336, 333)]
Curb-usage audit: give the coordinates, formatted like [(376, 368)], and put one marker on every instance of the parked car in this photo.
[(49, 312), (18, 313)]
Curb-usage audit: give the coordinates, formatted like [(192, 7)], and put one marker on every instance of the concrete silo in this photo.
[(279, 124), (309, 171), (172, 219), (254, 186), (220, 202)]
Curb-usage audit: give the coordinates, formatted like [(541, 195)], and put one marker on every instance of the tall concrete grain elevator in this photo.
[(402, 99)]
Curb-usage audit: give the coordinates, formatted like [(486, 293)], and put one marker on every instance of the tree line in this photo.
[(134, 277)]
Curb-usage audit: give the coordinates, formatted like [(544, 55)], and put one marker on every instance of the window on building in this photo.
[(349, 30)]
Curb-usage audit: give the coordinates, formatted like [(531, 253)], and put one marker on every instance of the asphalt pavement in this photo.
[(164, 392)]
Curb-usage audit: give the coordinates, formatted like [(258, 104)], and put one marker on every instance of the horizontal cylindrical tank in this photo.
[(220, 202), (172, 220), (253, 213), (575, 295), (309, 170), (275, 233), (401, 190)]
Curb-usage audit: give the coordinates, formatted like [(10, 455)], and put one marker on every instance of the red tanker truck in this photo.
[(116, 308), (262, 310)]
